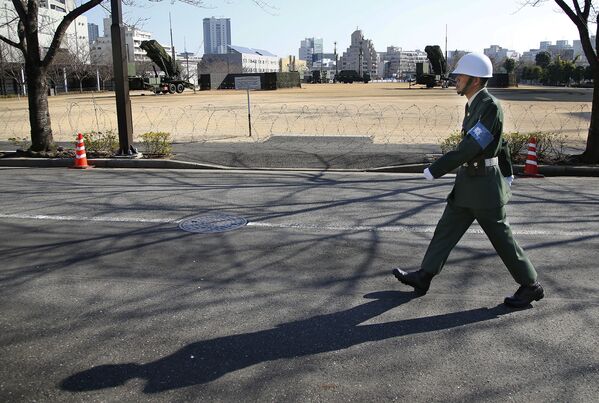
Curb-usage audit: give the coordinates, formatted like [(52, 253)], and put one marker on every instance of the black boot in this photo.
[(525, 295), (419, 279)]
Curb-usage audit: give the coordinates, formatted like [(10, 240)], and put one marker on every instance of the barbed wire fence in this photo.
[(383, 123)]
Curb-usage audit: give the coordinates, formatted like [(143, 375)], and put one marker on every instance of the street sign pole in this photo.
[(249, 113), (248, 83)]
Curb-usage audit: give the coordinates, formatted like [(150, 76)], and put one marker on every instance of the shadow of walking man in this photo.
[(207, 360)]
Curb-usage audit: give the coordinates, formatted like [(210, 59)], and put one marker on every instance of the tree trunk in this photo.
[(591, 153), (39, 114)]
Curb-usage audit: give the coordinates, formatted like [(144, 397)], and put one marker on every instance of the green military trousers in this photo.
[(456, 221)]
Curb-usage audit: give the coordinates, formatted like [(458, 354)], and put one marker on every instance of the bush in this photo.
[(550, 146), (157, 143), (451, 142), (101, 143), (517, 143)]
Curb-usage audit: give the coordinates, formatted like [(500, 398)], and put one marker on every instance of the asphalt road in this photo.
[(104, 298), (293, 152)]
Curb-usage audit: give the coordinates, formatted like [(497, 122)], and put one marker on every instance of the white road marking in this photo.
[(83, 218), (412, 229), (296, 225)]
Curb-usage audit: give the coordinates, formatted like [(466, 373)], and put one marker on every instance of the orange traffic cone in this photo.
[(531, 169), (80, 157)]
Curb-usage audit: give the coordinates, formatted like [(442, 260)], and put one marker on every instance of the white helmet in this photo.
[(474, 65)]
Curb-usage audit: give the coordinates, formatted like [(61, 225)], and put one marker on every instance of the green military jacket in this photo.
[(488, 189)]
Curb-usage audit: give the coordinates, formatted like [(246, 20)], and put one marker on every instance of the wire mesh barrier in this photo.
[(383, 123)]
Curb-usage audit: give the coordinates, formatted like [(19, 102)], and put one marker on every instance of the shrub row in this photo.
[(551, 147), (106, 144)]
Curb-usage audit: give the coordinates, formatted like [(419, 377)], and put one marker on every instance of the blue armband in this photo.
[(482, 136)]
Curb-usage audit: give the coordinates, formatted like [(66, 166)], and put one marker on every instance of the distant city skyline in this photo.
[(404, 24)]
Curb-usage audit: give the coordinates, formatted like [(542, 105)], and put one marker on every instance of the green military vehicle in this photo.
[(349, 76), (439, 76), (169, 83)]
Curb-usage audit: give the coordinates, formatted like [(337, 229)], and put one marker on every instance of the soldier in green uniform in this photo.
[(481, 189)]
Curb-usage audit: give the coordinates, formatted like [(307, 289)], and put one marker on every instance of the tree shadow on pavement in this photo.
[(205, 361)]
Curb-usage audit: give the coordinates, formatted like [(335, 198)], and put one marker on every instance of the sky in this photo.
[(472, 25)]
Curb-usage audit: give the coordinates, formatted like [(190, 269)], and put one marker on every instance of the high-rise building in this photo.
[(360, 56), (92, 32), (311, 50), (217, 35), (389, 62), (497, 54)]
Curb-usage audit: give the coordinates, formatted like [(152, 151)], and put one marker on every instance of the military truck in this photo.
[(319, 77), (349, 76), (169, 83), (439, 75)]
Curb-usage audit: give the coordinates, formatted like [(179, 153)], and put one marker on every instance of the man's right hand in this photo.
[(509, 179)]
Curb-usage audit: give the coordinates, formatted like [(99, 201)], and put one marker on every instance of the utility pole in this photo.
[(446, 43), (121, 81), (360, 61), (321, 61), (336, 61)]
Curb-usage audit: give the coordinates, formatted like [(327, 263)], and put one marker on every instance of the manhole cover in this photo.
[(212, 222)]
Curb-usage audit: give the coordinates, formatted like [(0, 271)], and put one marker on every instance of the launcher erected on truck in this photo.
[(170, 82), (439, 76)]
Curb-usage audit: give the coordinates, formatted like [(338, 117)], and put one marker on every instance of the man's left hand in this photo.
[(428, 175)]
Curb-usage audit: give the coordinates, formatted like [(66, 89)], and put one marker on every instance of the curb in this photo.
[(546, 170), (105, 163), (562, 170)]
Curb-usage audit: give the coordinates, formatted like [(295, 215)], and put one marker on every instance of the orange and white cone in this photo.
[(531, 168), (80, 157)]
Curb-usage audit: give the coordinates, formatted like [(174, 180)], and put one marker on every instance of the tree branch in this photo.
[(20, 9), (587, 7), (577, 6), (11, 43), (8, 23), (597, 33), (581, 23), (570, 13), (62, 28), (21, 33)]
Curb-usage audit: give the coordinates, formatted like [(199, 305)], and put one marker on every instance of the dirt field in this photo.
[(387, 112)]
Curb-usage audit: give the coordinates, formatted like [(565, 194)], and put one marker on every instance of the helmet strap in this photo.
[(467, 86)]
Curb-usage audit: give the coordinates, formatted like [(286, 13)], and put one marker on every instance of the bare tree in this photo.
[(27, 40), (583, 13), (15, 72), (3, 68), (80, 65), (58, 69), (36, 66), (106, 72)]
